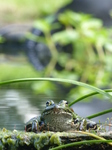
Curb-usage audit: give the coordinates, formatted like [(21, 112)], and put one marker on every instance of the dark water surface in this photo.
[(18, 106)]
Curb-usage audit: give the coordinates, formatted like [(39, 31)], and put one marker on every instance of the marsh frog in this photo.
[(59, 117)]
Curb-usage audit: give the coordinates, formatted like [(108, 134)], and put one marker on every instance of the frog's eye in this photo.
[(63, 102), (48, 103), (66, 102)]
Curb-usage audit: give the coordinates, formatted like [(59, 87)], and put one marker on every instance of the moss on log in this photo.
[(20, 140)]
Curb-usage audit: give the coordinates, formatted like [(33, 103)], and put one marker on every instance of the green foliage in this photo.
[(13, 71), (17, 71), (65, 37), (89, 59)]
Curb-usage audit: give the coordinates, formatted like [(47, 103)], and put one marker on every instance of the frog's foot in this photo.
[(27, 129), (85, 124), (91, 125), (35, 126)]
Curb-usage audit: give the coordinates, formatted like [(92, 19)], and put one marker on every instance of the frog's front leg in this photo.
[(35, 126), (87, 124), (91, 125)]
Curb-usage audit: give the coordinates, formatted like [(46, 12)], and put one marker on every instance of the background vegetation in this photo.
[(89, 59), (12, 11)]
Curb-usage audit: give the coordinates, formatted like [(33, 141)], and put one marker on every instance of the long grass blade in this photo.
[(86, 96), (99, 113), (59, 80), (80, 143)]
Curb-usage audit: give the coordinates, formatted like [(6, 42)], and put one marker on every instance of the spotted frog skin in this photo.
[(59, 117)]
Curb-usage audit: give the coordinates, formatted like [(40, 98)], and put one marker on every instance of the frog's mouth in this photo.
[(55, 109)]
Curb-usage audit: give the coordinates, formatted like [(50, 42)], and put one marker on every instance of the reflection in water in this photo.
[(22, 105), (18, 106)]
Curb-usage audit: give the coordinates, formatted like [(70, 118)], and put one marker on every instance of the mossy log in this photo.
[(21, 140)]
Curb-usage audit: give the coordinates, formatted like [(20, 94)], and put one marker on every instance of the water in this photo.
[(18, 106)]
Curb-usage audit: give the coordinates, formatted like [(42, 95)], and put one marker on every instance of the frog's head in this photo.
[(50, 104), (61, 107)]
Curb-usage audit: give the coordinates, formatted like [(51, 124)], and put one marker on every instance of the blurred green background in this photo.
[(88, 56), (12, 11)]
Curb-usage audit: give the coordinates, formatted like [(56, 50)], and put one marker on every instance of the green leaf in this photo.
[(92, 24), (72, 18), (108, 46), (59, 80), (43, 25), (65, 37)]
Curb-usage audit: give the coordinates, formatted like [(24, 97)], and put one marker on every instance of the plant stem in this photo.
[(54, 54), (101, 53)]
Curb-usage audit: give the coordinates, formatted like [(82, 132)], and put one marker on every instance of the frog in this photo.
[(58, 118)]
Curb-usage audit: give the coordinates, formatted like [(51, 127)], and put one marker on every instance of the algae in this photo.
[(21, 140), (15, 139)]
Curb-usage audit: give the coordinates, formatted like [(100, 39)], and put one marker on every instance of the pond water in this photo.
[(18, 106)]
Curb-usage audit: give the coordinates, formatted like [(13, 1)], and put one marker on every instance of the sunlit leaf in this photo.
[(65, 37), (42, 25), (108, 46), (92, 24)]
